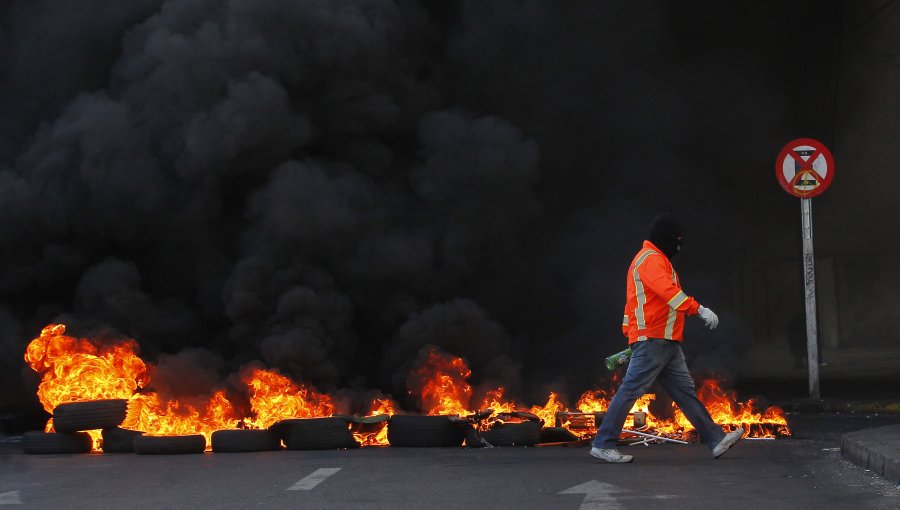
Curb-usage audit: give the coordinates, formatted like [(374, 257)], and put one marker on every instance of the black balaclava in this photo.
[(665, 233)]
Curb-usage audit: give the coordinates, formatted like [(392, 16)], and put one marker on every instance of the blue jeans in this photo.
[(662, 360)]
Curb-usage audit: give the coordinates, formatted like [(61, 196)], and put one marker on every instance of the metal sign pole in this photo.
[(805, 168), (809, 283)]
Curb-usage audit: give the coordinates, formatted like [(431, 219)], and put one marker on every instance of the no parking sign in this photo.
[(805, 169)]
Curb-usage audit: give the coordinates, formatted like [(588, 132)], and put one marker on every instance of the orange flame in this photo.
[(382, 406), (379, 437), (593, 401), (78, 370), (548, 411), (442, 382), (149, 413), (728, 412), (442, 387), (493, 399), (274, 397), (722, 406)]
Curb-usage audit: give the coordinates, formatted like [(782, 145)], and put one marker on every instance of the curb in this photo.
[(840, 406), (877, 449)]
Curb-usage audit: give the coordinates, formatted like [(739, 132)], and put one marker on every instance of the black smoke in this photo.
[(281, 182), (327, 187)]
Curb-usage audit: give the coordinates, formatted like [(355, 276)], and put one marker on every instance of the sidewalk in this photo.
[(853, 380), (877, 449)]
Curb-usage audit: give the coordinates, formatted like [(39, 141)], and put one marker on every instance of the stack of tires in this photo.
[(367, 425), (526, 433), (118, 440), (70, 421), (518, 428), (315, 433), (450, 431), (35, 442), (407, 430), (169, 445), (244, 440)]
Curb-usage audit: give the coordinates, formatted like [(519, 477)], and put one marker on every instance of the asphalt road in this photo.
[(803, 472)]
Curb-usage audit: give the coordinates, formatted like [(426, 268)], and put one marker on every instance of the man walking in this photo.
[(655, 310)]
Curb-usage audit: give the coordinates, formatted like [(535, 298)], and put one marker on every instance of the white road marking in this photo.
[(315, 478), (10, 498), (599, 495)]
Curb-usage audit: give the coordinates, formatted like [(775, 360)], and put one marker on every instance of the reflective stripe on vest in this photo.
[(676, 300), (639, 290)]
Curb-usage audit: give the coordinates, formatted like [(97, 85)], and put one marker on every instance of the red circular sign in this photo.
[(804, 167)]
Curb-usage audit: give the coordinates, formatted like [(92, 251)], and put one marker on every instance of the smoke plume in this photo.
[(328, 187)]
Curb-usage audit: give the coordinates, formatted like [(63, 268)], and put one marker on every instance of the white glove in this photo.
[(711, 319)]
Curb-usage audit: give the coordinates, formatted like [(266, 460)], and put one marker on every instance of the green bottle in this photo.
[(617, 359)]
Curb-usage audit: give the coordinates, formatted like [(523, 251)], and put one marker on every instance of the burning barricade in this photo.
[(100, 398), (440, 385)]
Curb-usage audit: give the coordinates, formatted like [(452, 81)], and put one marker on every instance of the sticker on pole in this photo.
[(804, 167)]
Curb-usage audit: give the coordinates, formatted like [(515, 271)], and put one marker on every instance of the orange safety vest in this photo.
[(655, 305)]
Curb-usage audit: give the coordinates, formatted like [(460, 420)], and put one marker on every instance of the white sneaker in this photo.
[(727, 442), (610, 455)]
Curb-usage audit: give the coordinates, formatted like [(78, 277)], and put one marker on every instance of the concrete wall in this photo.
[(857, 220)]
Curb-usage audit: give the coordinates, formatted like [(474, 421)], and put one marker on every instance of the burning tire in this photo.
[(513, 434), (239, 441), (169, 445), (473, 437), (116, 440), (46, 443), (424, 431), (557, 435), (96, 414), (316, 434)]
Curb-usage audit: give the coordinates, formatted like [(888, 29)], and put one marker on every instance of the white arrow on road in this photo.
[(597, 495), (10, 498)]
